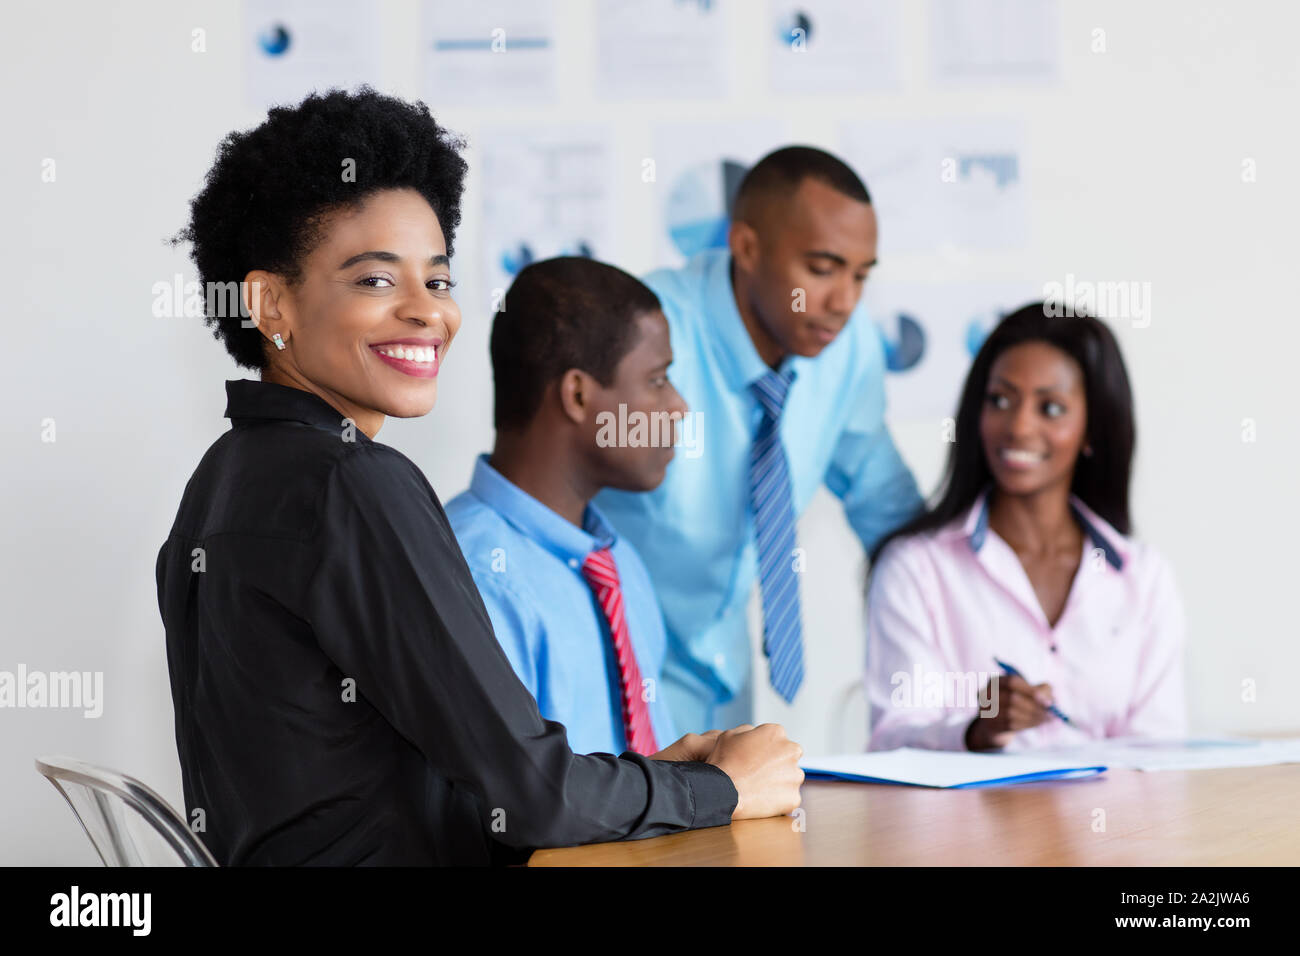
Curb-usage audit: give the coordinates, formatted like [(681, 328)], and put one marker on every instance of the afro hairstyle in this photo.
[(271, 188)]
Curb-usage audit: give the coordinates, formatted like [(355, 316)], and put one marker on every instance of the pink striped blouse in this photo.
[(943, 604)]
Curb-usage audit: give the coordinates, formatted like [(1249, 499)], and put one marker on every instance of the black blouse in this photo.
[(340, 697)]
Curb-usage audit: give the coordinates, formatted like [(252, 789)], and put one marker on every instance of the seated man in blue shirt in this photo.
[(784, 373), (579, 348)]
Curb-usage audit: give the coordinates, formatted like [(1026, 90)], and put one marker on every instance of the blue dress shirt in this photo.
[(696, 530), (527, 563)]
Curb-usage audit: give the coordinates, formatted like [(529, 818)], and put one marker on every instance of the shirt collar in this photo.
[(1113, 544), (248, 400), (975, 526), (536, 521), (732, 346)]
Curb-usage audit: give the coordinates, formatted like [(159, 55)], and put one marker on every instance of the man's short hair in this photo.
[(778, 174), (559, 314)]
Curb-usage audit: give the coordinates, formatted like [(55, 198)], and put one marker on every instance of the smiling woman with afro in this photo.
[(339, 693)]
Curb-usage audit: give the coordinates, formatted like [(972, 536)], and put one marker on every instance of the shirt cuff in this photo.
[(713, 794)]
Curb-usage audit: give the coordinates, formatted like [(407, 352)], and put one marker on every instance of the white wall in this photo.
[(1135, 163)]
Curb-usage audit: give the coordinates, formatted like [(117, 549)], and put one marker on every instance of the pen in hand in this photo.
[(1012, 672)]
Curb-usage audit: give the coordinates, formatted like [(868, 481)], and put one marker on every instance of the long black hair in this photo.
[(1101, 480)]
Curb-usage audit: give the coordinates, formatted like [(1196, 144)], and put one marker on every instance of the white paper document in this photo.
[(945, 768), (1193, 754), (1014, 42), (951, 183), (548, 191), (834, 46), (488, 52), (661, 48), (697, 168), (291, 47), (930, 331)]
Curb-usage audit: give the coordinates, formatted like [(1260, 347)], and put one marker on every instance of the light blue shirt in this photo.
[(527, 564), (696, 530)]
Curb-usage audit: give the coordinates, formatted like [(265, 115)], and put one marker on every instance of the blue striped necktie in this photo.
[(769, 496)]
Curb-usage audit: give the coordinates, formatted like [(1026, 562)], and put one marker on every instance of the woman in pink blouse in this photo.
[(1026, 560)]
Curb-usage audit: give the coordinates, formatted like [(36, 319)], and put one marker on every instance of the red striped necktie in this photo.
[(602, 575)]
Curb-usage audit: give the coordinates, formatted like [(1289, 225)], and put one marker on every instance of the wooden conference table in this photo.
[(1240, 816)]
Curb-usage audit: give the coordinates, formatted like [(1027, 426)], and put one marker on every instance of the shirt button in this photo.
[(719, 660), (573, 562), (1053, 648)]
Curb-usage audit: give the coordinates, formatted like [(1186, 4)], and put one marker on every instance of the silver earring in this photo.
[(279, 342)]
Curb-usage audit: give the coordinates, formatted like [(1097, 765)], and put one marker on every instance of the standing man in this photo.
[(784, 373)]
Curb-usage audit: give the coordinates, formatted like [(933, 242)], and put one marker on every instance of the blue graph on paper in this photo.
[(1003, 167), (274, 40), (698, 209)]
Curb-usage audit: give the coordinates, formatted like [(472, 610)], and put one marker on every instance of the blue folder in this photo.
[(945, 770)]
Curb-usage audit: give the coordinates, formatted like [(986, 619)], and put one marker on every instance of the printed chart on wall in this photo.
[(547, 192), (696, 181), (930, 332), (943, 184), (995, 42), (291, 47), (647, 49), (834, 46), (488, 52)]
